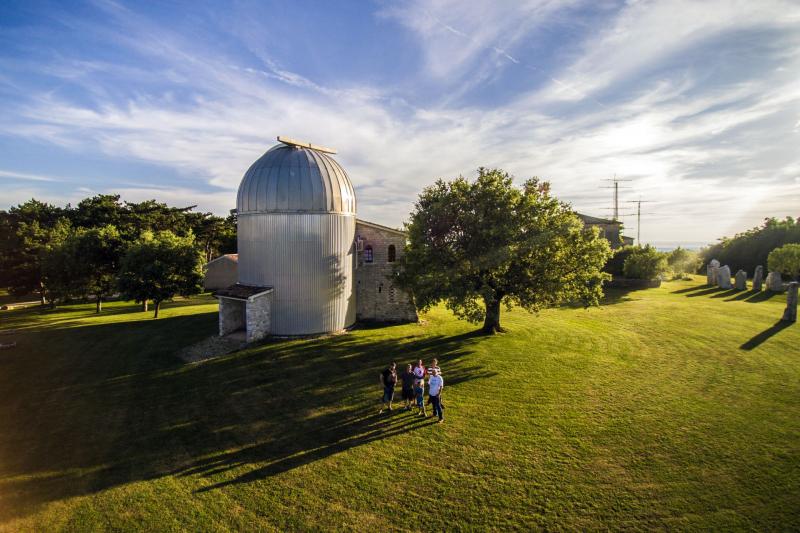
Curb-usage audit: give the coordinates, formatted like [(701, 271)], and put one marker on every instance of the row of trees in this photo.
[(751, 248), (146, 250)]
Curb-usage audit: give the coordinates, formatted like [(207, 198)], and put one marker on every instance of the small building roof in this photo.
[(227, 257), (588, 219), (242, 292), (380, 226)]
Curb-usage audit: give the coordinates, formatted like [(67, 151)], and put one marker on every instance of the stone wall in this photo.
[(377, 298), (258, 317)]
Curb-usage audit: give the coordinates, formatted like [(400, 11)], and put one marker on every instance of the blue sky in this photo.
[(698, 103)]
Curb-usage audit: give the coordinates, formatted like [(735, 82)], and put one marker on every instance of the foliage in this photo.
[(751, 248), (616, 262), (478, 244), (682, 261), (785, 260), (100, 252), (28, 230), (159, 267), (645, 263), (25, 233), (635, 416), (63, 274)]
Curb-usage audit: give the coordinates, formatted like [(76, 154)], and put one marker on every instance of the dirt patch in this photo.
[(212, 347)]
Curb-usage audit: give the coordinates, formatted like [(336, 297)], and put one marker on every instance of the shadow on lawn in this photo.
[(98, 406), (757, 340)]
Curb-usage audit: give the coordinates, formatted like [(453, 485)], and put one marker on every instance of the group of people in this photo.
[(413, 383)]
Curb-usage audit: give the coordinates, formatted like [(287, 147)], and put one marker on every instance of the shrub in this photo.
[(615, 265), (645, 263), (785, 260), (682, 261)]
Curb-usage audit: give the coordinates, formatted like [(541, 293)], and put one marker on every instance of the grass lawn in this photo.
[(671, 408)]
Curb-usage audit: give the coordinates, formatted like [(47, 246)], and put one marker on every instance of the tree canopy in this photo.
[(477, 245), (103, 226), (159, 267), (751, 248)]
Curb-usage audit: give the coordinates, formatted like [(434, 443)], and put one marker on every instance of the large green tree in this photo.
[(477, 245), (26, 231), (99, 252), (160, 266)]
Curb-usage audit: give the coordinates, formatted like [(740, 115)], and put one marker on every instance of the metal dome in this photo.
[(296, 178)]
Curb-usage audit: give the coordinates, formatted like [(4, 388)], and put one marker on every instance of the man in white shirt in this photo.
[(435, 386)]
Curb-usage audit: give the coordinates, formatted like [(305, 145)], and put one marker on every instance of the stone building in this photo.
[(377, 298), (306, 265), (609, 229)]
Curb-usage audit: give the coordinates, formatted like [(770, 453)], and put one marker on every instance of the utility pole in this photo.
[(638, 203), (615, 181)]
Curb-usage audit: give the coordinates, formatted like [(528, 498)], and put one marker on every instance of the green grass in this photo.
[(671, 408)]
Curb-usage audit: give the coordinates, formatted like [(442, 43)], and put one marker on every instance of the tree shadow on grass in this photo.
[(759, 339), (90, 408)]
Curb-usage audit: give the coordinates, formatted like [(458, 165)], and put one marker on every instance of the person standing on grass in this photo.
[(429, 371), (419, 370), (419, 394), (435, 387), (388, 380), (408, 379)]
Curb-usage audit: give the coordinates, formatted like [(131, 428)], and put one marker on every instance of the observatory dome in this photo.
[(296, 177), (296, 229)]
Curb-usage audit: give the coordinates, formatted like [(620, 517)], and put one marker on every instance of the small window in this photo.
[(368, 254), (392, 294), (392, 253)]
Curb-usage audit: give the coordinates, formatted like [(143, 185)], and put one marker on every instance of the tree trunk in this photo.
[(491, 324), (99, 304), (144, 306), (157, 305)]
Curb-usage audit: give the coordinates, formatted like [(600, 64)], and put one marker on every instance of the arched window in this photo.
[(392, 253), (368, 254)]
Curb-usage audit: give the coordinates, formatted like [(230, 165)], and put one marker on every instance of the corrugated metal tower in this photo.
[(296, 226)]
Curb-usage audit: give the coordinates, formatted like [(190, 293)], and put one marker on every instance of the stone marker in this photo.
[(774, 282), (758, 278), (740, 282), (724, 277), (711, 275), (790, 313)]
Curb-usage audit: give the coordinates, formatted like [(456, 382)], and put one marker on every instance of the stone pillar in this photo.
[(711, 272), (740, 280), (758, 278), (258, 317), (774, 282), (790, 313), (724, 277)]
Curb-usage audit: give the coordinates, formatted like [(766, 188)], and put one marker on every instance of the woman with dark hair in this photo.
[(408, 386)]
